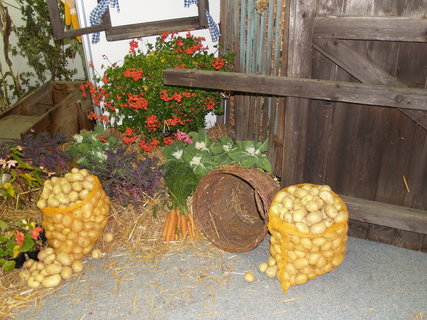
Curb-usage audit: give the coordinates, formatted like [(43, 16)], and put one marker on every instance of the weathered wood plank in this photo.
[(364, 70), (303, 88), (388, 215), (371, 28)]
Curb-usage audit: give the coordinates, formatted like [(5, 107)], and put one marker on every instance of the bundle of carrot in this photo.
[(178, 225)]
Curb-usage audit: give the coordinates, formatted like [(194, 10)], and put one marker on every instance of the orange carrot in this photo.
[(178, 222), (190, 230), (167, 221), (184, 227), (171, 227)]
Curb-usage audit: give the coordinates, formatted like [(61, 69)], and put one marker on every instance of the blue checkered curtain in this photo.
[(95, 17), (213, 26)]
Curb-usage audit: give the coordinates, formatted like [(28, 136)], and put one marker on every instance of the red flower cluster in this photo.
[(132, 46), (174, 121), (136, 101), (102, 138), (133, 73), (129, 138), (151, 123), (165, 97), (218, 63), (210, 104), (92, 116)]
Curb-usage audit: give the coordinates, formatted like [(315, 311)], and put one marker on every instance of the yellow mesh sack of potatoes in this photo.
[(74, 218), (308, 225)]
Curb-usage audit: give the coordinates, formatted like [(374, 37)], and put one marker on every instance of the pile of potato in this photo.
[(308, 226), (75, 211), (50, 270)]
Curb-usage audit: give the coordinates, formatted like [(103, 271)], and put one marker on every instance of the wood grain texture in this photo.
[(376, 95), (385, 214), (371, 28)]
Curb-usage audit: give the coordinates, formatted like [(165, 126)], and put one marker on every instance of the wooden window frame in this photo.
[(114, 33)]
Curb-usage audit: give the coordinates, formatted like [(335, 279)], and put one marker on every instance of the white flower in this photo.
[(101, 155), (227, 147), (252, 151), (177, 154), (195, 161), (78, 138), (200, 146)]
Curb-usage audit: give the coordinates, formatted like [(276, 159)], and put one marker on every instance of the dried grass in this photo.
[(136, 238)]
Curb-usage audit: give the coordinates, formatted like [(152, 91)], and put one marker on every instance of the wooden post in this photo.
[(301, 22)]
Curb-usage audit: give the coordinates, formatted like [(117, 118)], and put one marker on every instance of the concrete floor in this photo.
[(376, 281)]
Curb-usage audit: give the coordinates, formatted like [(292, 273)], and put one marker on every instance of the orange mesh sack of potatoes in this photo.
[(75, 211), (308, 225)]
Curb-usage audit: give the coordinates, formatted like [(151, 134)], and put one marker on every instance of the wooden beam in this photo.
[(136, 30), (58, 26), (371, 28), (377, 95), (385, 214), (364, 70)]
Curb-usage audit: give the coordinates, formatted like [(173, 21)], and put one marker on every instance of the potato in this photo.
[(263, 267), (73, 196), (33, 283), (83, 194), (108, 237), (51, 281), (77, 266), (64, 259), (271, 271), (52, 202), (271, 261), (62, 198), (49, 258), (66, 272), (27, 264), (327, 197), (301, 278), (331, 211), (77, 186), (341, 216), (76, 177), (300, 193), (300, 263), (313, 218), (314, 258), (302, 227), (298, 215), (40, 265), (312, 205), (318, 228), (88, 185), (249, 277), (84, 172), (53, 269), (41, 204), (96, 254)]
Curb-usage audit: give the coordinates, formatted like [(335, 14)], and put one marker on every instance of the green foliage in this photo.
[(16, 171), (35, 42), (181, 182), (89, 148), (186, 164), (141, 104), (204, 155), (17, 237)]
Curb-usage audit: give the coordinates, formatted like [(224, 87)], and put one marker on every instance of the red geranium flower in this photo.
[(36, 232)]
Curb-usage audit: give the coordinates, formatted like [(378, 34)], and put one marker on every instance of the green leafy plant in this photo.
[(89, 147), (139, 104), (17, 173), (204, 155), (17, 237)]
